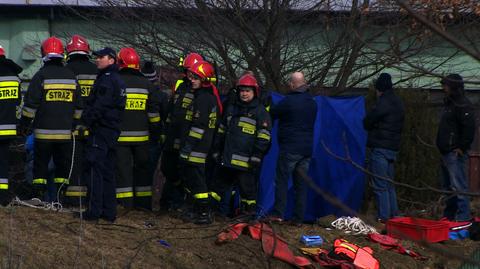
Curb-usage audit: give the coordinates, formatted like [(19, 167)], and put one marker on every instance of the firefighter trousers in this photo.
[(134, 182), (229, 177), (77, 188), (4, 165), (194, 178), (173, 192), (61, 152)]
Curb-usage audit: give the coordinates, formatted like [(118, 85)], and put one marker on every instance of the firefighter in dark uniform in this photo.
[(53, 100), (140, 123), (242, 140), (102, 117), (10, 98), (197, 139), (173, 193), (78, 61)]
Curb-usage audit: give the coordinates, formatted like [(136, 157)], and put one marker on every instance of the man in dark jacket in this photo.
[(102, 116), (10, 98), (456, 131), (296, 115), (384, 124), (242, 140)]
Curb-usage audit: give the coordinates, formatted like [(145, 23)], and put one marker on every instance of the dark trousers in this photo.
[(173, 193), (194, 180), (286, 165), (454, 178), (134, 185), (99, 170), (4, 159), (61, 152), (77, 188), (245, 180)]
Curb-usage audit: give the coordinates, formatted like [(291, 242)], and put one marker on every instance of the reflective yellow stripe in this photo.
[(8, 132), (179, 82), (195, 134), (264, 136), (143, 193), (133, 138), (60, 86), (85, 133), (60, 180), (86, 82), (9, 84), (76, 193), (221, 130), (215, 196), (203, 195), (154, 119), (196, 159), (39, 181), (53, 136), (249, 202), (240, 163), (125, 194), (267, 108), (137, 96), (246, 125), (3, 186)]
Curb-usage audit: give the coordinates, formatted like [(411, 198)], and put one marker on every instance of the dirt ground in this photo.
[(34, 238)]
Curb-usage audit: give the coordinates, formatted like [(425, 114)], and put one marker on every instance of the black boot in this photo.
[(203, 212)]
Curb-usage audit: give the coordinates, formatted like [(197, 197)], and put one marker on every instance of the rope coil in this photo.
[(353, 225)]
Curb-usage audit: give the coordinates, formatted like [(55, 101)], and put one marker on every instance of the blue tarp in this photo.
[(339, 126)]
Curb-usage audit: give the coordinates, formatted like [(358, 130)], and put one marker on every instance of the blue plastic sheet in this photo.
[(339, 127)]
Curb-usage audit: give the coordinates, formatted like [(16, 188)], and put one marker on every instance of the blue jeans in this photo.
[(454, 178), (286, 165), (381, 163)]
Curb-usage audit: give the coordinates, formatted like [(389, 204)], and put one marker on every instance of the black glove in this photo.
[(24, 128), (255, 163)]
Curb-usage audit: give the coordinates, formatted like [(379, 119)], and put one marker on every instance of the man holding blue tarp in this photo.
[(296, 118)]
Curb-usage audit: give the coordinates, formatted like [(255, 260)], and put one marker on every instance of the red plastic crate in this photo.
[(417, 229)]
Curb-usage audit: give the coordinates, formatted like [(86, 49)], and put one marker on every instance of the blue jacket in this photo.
[(106, 103), (296, 114)]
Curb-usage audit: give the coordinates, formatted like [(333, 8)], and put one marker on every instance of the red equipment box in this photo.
[(417, 229)]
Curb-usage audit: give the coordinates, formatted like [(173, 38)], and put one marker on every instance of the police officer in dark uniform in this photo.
[(197, 139), (53, 100), (78, 61), (141, 122), (102, 116), (175, 122), (242, 140), (10, 98)]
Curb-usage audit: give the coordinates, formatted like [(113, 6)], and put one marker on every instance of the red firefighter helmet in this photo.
[(191, 59), (128, 58), (2, 51), (78, 43), (205, 71), (52, 47), (248, 80)]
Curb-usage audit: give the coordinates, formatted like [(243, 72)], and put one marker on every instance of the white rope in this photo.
[(353, 225)]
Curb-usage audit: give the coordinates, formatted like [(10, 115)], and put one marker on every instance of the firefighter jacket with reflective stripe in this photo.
[(106, 102), (53, 99), (176, 120), (197, 136), (244, 133), (10, 97), (141, 108), (85, 71)]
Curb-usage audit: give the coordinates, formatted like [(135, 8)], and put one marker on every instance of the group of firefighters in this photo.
[(100, 123)]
